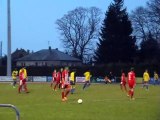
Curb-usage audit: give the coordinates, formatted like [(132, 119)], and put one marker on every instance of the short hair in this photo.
[(132, 68), (66, 68), (122, 70)]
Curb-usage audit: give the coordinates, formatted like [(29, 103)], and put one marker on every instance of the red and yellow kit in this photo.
[(22, 76)]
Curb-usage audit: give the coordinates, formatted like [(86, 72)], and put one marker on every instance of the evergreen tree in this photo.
[(116, 43), (149, 50)]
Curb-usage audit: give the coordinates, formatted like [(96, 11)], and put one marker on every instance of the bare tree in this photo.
[(79, 28), (138, 19), (146, 20), (154, 15), (154, 10)]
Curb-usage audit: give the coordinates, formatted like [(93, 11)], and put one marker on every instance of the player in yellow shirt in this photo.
[(23, 80), (25, 72), (146, 79), (87, 75), (14, 77), (72, 81), (156, 78)]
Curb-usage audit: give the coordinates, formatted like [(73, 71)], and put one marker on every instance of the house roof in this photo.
[(48, 55)]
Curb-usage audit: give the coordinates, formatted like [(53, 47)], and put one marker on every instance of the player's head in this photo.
[(146, 70), (122, 71), (66, 68), (61, 69), (132, 69), (24, 67)]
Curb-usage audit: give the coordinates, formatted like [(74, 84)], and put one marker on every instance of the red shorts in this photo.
[(57, 81), (53, 79), (123, 83), (131, 85), (22, 82), (64, 86)]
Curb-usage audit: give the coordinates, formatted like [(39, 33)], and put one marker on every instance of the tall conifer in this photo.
[(116, 43)]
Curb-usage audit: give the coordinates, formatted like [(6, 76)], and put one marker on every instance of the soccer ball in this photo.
[(80, 101)]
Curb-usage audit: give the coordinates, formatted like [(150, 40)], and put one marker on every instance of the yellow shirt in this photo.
[(146, 77), (156, 76), (14, 74), (87, 76), (25, 72), (72, 75)]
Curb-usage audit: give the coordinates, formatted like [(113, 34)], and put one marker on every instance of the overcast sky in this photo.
[(33, 21)]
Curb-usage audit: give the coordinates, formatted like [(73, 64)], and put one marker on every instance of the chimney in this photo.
[(50, 48)]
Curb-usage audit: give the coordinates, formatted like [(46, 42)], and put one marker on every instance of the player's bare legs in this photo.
[(67, 92), (131, 94)]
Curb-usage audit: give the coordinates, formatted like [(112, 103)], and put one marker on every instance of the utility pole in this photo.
[(9, 39)]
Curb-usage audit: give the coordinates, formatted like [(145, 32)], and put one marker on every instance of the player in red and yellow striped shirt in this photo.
[(23, 80)]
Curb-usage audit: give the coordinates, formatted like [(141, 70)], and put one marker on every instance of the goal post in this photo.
[(14, 108)]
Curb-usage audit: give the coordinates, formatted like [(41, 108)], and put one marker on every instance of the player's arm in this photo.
[(108, 79), (134, 81)]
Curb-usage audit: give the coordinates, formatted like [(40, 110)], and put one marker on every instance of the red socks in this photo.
[(19, 89), (131, 93), (62, 95), (67, 92)]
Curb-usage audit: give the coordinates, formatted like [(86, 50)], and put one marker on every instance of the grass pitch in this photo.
[(100, 102)]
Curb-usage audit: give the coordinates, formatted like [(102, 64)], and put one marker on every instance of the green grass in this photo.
[(100, 102)]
